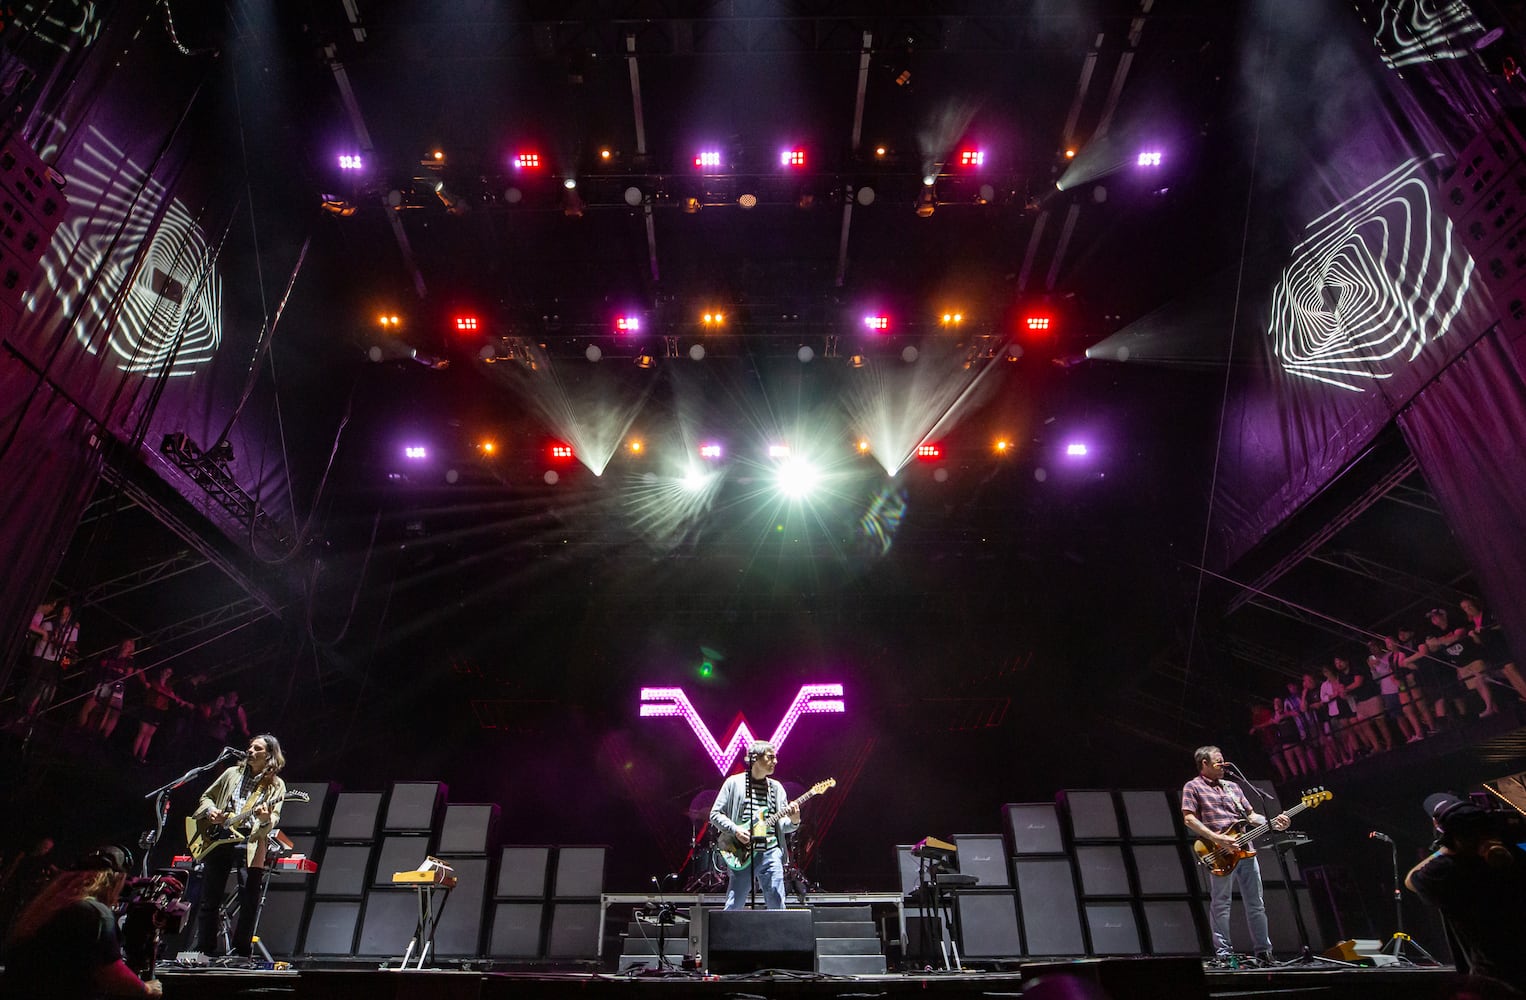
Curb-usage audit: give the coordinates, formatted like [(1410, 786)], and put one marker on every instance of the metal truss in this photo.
[(165, 569), (1370, 569), (219, 486)]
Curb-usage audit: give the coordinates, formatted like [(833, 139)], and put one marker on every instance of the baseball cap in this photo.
[(1436, 611), (109, 858)]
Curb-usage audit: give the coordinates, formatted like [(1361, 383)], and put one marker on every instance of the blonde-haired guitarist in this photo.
[(1215, 808), (250, 794), (753, 810)]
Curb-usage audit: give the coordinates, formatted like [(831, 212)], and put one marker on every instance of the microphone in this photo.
[(236, 754), (1376, 835)]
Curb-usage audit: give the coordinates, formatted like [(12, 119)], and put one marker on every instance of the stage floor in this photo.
[(1121, 979)]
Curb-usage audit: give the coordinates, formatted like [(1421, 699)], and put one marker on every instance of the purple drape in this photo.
[(1467, 429)]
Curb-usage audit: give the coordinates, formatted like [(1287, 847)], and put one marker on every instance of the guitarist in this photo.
[(746, 800), (253, 786), (1215, 808)]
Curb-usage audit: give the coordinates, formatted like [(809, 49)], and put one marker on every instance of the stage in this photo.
[(1144, 978)]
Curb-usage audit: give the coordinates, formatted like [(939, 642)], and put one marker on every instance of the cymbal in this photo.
[(701, 804)]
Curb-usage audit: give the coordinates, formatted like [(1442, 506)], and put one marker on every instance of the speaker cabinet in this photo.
[(281, 921), (399, 854), (579, 872), (459, 932), (1093, 816), (412, 806), (1033, 827), (751, 940), (306, 815), (1160, 871), (387, 925), (1151, 815), (516, 930), (522, 872), (1103, 871), (468, 828), (1046, 893), (343, 871), (1172, 927), (355, 815), (1113, 928), (331, 927), (987, 923), (983, 855), (1134, 978), (575, 930), (1280, 920)]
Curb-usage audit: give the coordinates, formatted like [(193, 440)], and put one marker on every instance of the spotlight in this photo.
[(1037, 323), (561, 452), (863, 446), (221, 453), (708, 159), (627, 324), (792, 158), (972, 158), (527, 161), (796, 478), (877, 323), (454, 205), (1076, 449), (855, 361), (748, 200), (388, 321), (927, 203), (572, 202), (1148, 159), (606, 154), (1002, 446), (415, 452), (692, 205), (350, 162), (711, 451), (488, 447), (952, 318), (880, 151), (713, 319), (635, 446), (645, 361), (778, 451), (929, 452)]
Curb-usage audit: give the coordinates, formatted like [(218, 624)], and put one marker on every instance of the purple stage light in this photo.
[(417, 452), (1076, 449), (348, 161), (1149, 159), (711, 451), (812, 699)]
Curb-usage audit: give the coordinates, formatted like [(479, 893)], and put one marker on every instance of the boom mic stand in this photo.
[(1396, 945), (161, 797)]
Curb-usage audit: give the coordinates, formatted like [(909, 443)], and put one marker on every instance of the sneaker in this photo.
[(1265, 959)]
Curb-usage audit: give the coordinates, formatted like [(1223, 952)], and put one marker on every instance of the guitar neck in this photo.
[(1250, 835)]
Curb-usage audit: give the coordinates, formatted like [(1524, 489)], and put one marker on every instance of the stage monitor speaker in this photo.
[(399, 854), (281, 922), (1113, 928), (459, 932), (331, 927), (1046, 893), (1160, 871), (1152, 815), (1131, 978), (354, 816), (575, 930), (1172, 927), (517, 930), (983, 855), (412, 806), (987, 923), (579, 872), (468, 828), (522, 872), (306, 815), (388, 923), (342, 871), (753, 940), (1093, 816), (1033, 827), (1103, 870)]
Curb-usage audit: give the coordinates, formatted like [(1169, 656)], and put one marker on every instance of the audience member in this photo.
[(1484, 629), (110, 690), (1455, 647), (56, 637), (156, 706)]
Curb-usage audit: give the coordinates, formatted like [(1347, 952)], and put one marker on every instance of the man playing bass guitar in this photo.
[(250, 792), (1215, 808), (754, 810)]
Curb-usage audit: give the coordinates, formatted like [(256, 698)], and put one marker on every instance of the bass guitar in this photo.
[(202, 836), (1222, 860), (738, 855)]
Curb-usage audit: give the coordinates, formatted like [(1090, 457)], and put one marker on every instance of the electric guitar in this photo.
[(738, 855), (1222, 860), (202, 836)]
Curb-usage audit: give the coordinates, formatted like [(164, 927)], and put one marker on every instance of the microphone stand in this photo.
[(161, 797), (1306, 956), (1397, 943)]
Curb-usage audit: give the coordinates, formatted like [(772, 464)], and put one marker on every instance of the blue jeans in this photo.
[(1247, 877), (769, 867)]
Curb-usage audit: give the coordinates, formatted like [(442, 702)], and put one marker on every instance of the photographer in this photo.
[(64, 945), (1477, 879)]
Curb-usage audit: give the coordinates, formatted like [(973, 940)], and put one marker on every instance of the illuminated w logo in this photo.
[(669, 702)]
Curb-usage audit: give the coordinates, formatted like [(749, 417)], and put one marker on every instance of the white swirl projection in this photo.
[(167, 321), (1374, 281), (1417, 31)]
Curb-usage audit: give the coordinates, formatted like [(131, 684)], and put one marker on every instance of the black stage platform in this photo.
[(1121, 979)]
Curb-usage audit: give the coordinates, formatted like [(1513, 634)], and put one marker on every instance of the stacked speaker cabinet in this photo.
[(1112, 925), (467, 838), (391, 912), (285, 909), (1172, 919), (31, 207), (519, 903), (577, 921), (343, 872), (1485, 195), (985, 915), (1045, 880)]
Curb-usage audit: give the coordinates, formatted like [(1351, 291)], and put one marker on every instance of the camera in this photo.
[(1477, 818)]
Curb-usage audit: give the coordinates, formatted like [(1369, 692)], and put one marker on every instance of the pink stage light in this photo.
[(792, 158), (348, 161), (877, 322), (972, 158), (709, 451), (628, 324), (417, 452), (708, 159), (1148, 159), (667, 703), (1076, 449)]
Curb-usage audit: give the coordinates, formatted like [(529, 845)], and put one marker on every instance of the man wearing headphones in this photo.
[(1477, 879), (754, 811)]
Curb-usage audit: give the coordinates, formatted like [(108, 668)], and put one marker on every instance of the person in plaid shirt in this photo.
[(1213, 808)]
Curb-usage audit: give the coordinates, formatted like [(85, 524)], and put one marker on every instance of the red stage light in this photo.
[(527, 161), (466, 324), (972, 158), (627, 324), (792, 158), (561, 452), (1037, 324), (929, 451), (877, 322)]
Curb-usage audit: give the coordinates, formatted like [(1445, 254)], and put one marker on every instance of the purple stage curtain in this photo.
[(1467, 429)]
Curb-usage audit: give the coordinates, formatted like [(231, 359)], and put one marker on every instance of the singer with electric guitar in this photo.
[(754, 816), (1216, 810), (246, 797)]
